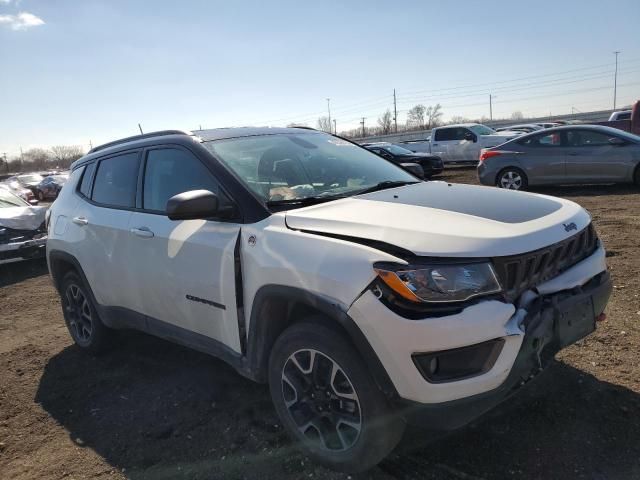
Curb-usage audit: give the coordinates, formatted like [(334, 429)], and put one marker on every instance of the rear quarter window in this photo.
[(87, 177)]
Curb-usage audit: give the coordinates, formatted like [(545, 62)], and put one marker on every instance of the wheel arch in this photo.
[(276, 307)]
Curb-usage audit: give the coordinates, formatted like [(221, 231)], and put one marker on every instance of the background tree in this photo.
[(415, 117), (36, 159), (517, 115), (65, 155), (433, 115), (459, 119), (385, 122), (324, 124)]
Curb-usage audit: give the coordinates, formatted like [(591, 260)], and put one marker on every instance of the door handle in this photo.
[(142, 232), (435, 144), (82, 221), (573, 154)]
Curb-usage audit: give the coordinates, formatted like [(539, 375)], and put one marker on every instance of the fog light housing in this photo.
[(458, 363)]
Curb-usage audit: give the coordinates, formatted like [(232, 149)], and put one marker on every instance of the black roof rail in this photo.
[(304, 127), (133, 138)]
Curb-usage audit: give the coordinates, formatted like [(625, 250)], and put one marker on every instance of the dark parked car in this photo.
[(431, 164), (563, 155), (50, 187)]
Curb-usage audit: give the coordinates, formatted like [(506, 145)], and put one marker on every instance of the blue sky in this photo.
[(89, 70)]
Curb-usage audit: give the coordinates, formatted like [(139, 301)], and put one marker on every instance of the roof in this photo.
[(235, 132)]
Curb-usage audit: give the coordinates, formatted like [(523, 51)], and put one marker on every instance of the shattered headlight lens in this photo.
[(440, 283)]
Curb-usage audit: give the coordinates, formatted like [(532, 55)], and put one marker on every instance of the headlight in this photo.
[(440, 283)]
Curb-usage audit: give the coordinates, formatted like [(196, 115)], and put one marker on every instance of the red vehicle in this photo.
[(631, 125)]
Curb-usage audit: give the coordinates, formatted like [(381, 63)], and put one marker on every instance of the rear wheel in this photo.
[(81, 316), (327, 400), (40, 195), (636, 176), (512, 178)]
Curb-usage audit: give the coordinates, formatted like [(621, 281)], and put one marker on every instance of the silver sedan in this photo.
[(563, 155)]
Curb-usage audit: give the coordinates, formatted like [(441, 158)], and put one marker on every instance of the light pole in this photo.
[(615, 80), (329, 110), (490, 108), (335, 129)]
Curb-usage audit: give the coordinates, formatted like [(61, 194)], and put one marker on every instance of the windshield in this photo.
[(8, 199), (298, 166), (30, 178), (482, 130), (396, 150)]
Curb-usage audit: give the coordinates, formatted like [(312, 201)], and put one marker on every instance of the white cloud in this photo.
[(21, 21)]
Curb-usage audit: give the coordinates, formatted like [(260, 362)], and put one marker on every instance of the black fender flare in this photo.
[(263, 333)]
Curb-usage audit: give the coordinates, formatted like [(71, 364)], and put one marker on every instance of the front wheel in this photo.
[(512, 178), (327, 400)]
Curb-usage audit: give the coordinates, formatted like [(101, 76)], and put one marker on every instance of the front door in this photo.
[(185, 269), (593, 159)]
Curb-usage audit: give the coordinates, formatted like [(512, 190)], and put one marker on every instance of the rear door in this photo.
[(100, 225), (543, 157), (592, 158), (185, 270), (444, 143)]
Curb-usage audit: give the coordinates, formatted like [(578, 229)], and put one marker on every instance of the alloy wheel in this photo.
[(321, 400), (78, 312), (511, 180)]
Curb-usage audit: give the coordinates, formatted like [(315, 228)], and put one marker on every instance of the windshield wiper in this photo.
[(304, 200), (384, 185)]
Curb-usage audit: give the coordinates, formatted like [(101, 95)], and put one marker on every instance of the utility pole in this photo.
[(395, 110), (615, 80), (140, 129), (329, 110), (490, 108), (362, 123), (4, 155), (335, 129)]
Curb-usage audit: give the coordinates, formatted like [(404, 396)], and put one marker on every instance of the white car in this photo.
[(364, 297), (620, 115), (460, 143)]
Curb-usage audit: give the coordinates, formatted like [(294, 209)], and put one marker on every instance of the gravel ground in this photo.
[(153, 410)]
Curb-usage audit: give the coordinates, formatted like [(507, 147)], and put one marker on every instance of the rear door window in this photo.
[(543, 140), (445, 134), (116, 180)]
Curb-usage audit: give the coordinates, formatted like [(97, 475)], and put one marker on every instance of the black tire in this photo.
[(512, 178), (345, 448), (81, 317), (636, 176), (40, 195)]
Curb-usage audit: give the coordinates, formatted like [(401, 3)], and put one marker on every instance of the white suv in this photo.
[(364, 297)]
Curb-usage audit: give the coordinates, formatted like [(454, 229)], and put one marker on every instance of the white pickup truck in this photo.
[(460, 143)]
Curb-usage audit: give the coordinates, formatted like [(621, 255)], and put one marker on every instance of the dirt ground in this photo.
[(153, 410)]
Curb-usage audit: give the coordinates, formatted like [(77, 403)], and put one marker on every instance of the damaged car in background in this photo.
[(22, 229)]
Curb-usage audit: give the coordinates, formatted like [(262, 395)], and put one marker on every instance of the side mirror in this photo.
[(192, 205), (470, 137), (617, 141), (414, 169)]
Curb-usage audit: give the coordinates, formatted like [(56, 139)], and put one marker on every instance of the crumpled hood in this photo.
[(441, 219), (22, 218)]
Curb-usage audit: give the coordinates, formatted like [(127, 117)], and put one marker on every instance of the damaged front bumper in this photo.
[(552, 323), (506, 344)]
